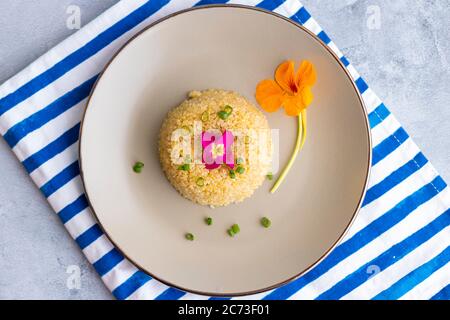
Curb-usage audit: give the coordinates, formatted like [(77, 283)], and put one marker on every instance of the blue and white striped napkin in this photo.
[(398, 247)]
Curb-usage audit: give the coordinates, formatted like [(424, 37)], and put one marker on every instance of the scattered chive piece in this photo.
[(208, 221), (270, 176), (228, 109), (200, 182), (232, 174), (223, 115), (235, 228), (265, 222), (184, 167), (187, 128), (240, 170), (239, 161), (138, 167), (189, 236), (205, 116), (230, 232)]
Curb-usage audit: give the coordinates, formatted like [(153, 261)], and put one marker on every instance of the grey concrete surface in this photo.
[(406, 61), (35, 249)]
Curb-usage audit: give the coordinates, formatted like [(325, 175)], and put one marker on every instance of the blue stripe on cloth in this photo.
[(171, 294), (444, 294), (101, 41), (60, 179), (378, 115), (108, 261), (324, 37), (270, 4), (362, 85), (41, 117), (388, 145), (345, 61), (301, 16), (206, 2), (395, 178), (363, 237), (52, 149), (415, 277), (89, 236), (133, 283), (386, 259), (72, 209), (264, 4)]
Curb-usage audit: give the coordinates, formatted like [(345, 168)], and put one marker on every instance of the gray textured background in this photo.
[(406, 62)]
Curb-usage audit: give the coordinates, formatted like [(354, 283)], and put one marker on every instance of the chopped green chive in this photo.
[(184, 167), (232, 174), (200, 182), (138, 167), (205, 116), (240, 170), (239, 161), (223, 115), (270, 176), (228, 109), (235, 228), (187, 128), (189, 236), (265, 222), (230, 233), (208, 221)]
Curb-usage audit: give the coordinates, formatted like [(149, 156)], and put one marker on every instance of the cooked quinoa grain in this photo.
[(216, 187)]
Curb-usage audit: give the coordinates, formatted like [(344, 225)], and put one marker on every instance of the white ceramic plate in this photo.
[(228, 47)]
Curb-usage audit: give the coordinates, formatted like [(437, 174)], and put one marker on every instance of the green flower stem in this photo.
[(300, 141)]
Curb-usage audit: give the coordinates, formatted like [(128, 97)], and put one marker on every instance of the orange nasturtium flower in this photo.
[(290, 89)]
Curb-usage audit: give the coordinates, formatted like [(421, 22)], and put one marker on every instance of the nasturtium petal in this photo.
[(307, 96), (285, 77), (269, 95), (306, 75), (293, 105)]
